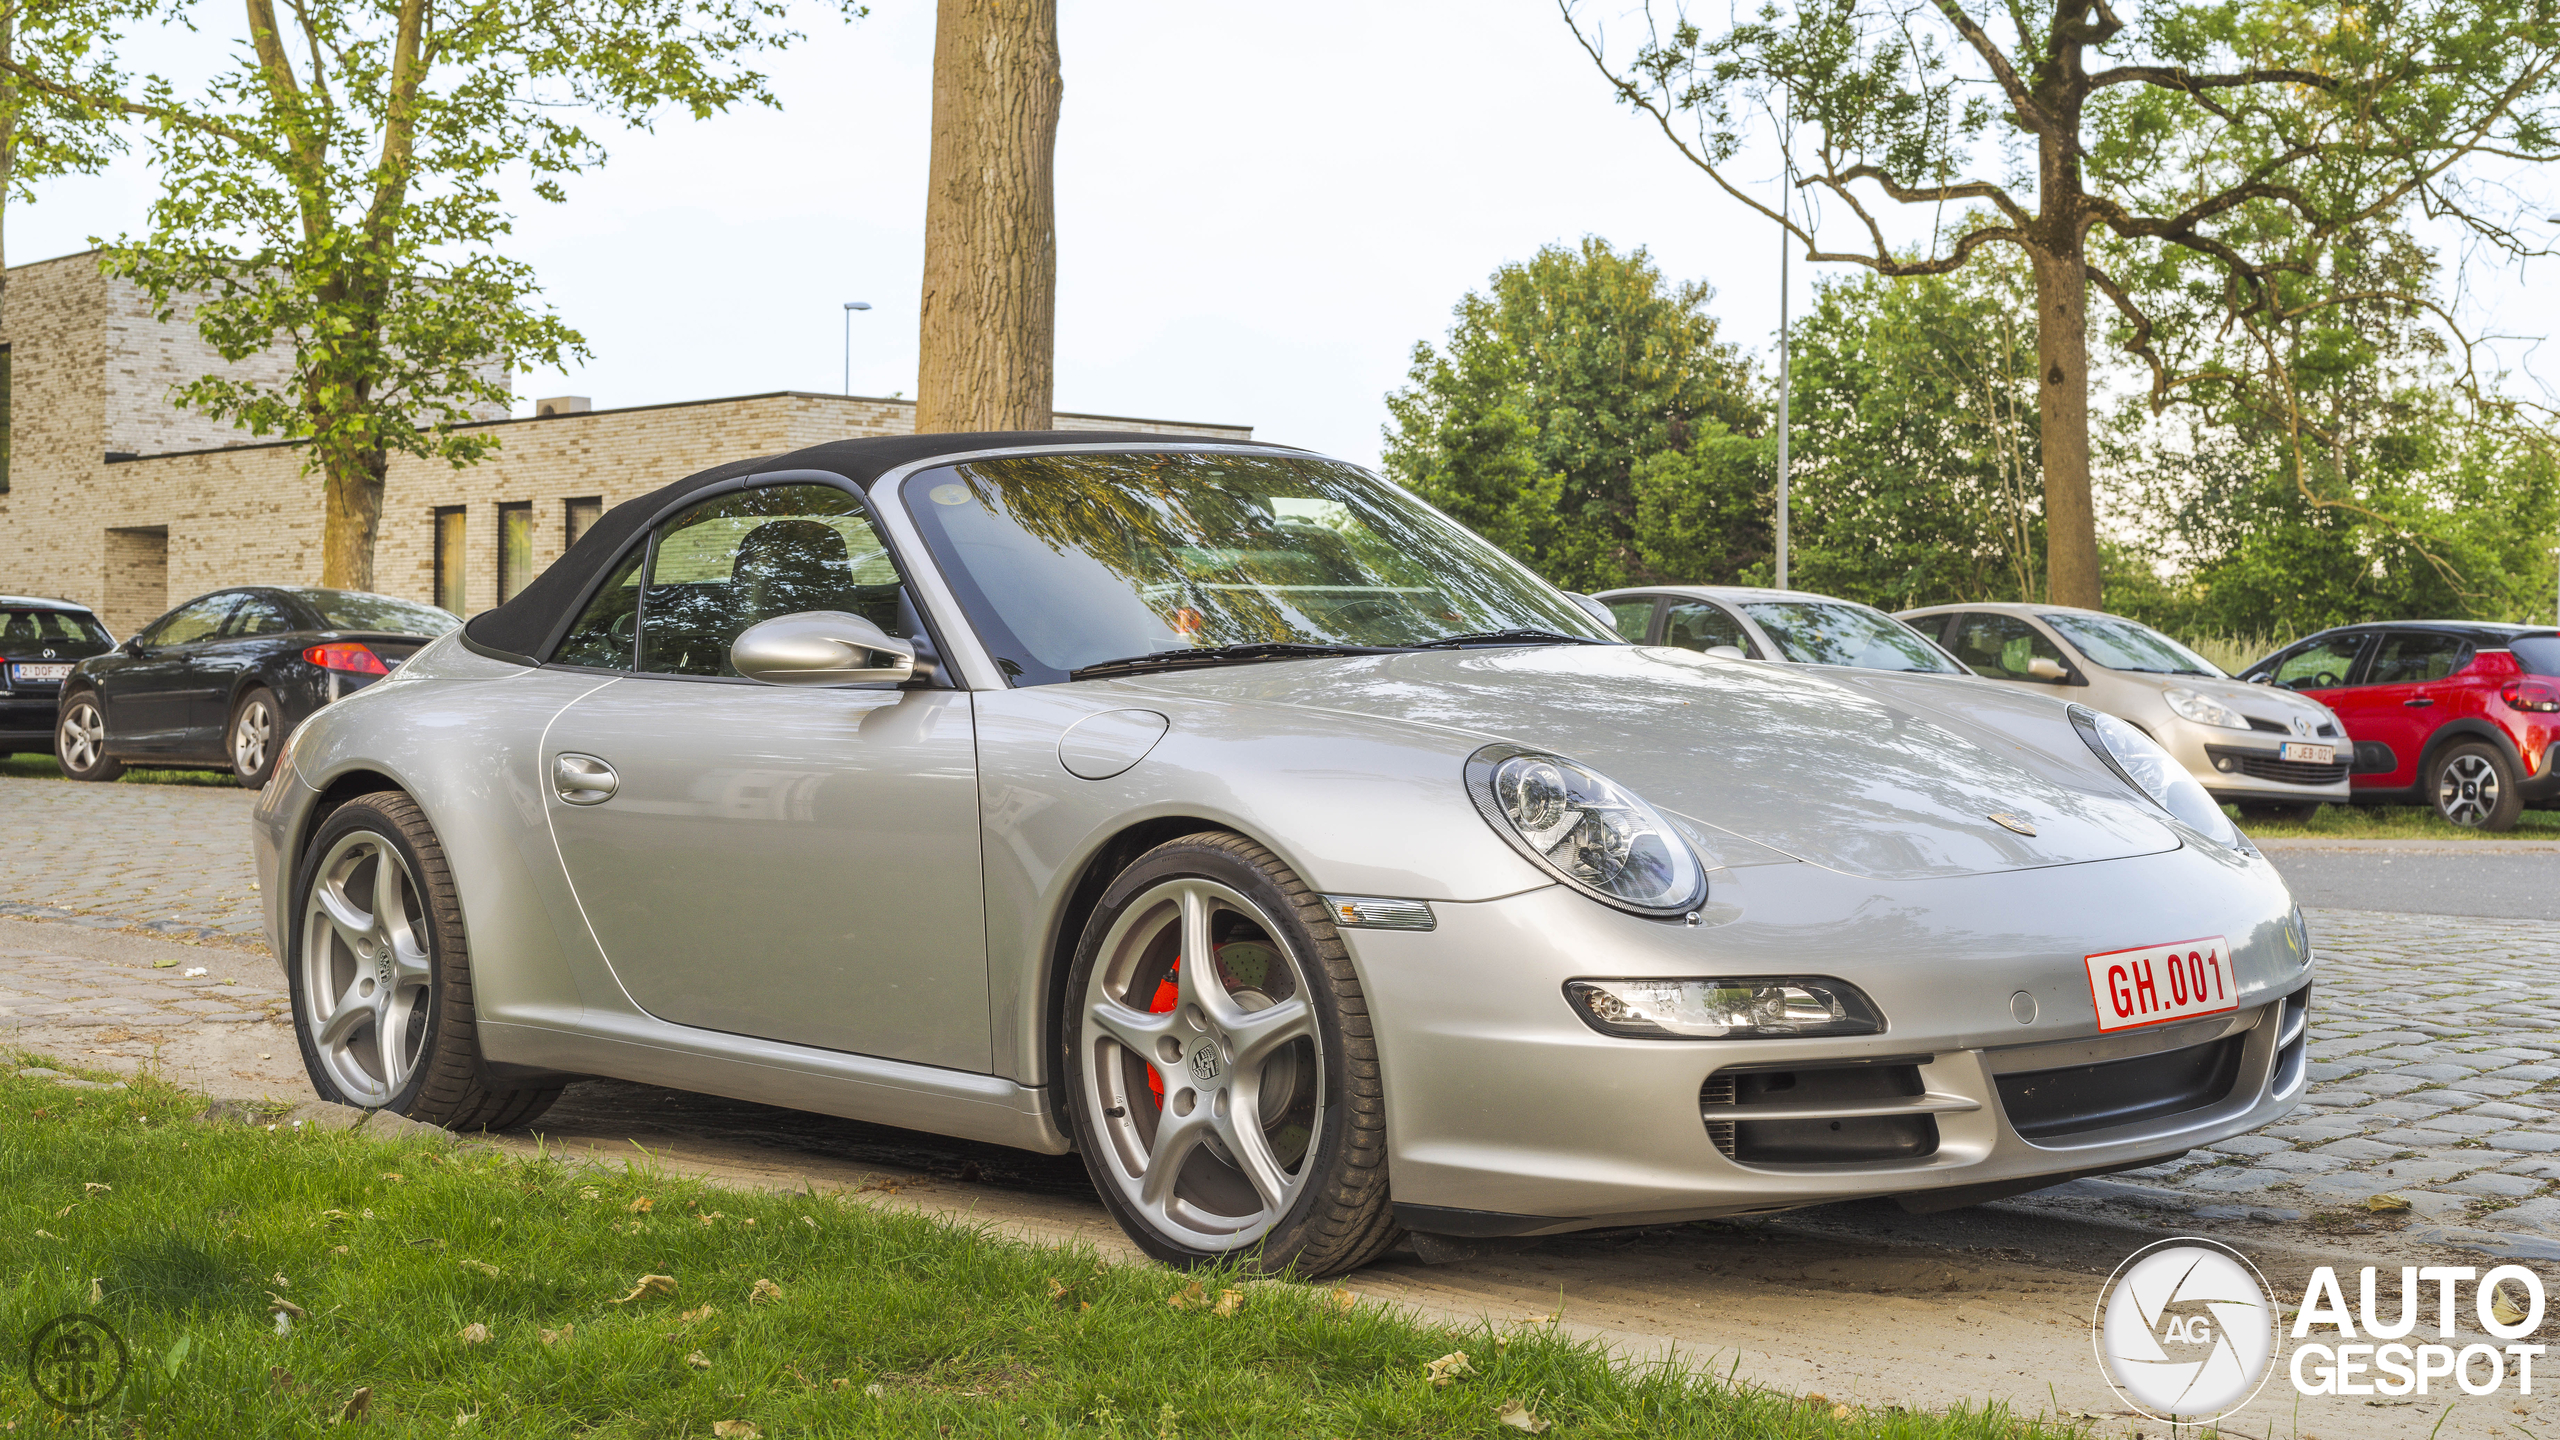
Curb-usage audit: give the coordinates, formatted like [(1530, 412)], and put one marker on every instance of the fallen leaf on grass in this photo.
[(697, 1314), (92, 1187), (734, 1430), (355, 1404), (1841, 1412), (2386, 1204), (1189, 1297), (279, 1378), (1449, 1367), (1813, 1397), (97, 1296), (337, 1249), (810, 1221), (698, 1360), (589, 1192), (282, 1306), (650, 1285), (1229, 1301), (2503, 1307), (707, 1219), (280, 1282), (484, 1267), (555, 1337), (164, 964), (465, 1419), (1519, 1417), (395, 1177), (1344, 1299), (762, 1292), (1057, 1291), (641, 1206), (874, 1390)]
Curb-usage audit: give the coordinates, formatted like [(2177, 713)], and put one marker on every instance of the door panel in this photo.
[(150, 697), (800, 865), (2407, 692), (222, 665)]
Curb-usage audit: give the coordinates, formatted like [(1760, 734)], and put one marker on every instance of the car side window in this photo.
[(742, 559), (2002, 647), (608, 630), (1697, 625), (257, 615), (199, 620), (2319, 665), (1631, 615), (2416, 657)]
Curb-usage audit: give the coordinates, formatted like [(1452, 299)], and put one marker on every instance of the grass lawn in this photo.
[(466, 1291), (2394, 822), (45, 767)]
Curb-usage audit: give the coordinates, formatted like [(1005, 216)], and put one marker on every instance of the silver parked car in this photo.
[(2278, 756), (1226, 815), (1764, 624)]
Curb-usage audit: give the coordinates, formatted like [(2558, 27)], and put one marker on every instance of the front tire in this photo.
[(381, 976), (80, 740), (1229, 1109), (2474, 786), (256, 738)]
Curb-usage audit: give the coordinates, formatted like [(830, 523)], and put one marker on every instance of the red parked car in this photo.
[(2458, 714)]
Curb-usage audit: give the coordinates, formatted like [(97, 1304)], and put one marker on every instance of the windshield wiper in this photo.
[(1529, 635), (1218, 655)]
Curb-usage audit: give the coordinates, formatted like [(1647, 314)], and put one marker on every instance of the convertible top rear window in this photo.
[(1066, 561)]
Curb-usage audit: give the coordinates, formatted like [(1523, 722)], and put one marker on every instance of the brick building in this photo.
[(113, 496)]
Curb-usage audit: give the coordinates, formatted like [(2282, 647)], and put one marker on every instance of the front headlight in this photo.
[(1761, 1007), (2141, 763), (1583, 827), (2203, 709)]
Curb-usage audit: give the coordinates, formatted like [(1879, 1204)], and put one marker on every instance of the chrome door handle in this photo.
[(583, 779)]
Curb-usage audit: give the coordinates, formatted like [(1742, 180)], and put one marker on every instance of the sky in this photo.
[(1261, 208)]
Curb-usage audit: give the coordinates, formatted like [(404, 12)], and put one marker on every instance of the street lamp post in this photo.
[(1786, 356), (849, 307)]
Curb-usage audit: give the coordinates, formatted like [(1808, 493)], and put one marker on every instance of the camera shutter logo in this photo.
[(2184, 1330), (76, 1363)]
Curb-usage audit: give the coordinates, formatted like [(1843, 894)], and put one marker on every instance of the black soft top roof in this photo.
[(523, 628)]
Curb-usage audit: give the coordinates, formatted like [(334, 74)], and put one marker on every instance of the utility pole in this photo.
[(849, 307), (1786, 356)]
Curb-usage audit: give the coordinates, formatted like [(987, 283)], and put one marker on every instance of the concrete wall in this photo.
[(198, 509)]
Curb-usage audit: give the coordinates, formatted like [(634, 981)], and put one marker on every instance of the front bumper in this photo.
[(2249, 765), (1507, 1115)]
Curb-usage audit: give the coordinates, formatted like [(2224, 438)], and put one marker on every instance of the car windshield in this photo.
[(2538, 654), (354, 610), (1066, 561), (1829, 632), (2121, 644), (33, 629)]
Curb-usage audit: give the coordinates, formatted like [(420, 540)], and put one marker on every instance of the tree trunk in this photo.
[(990, 243), (2062, 357), (351, 507)]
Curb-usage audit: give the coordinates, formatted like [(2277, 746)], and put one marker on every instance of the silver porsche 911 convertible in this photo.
[(1228, 816)]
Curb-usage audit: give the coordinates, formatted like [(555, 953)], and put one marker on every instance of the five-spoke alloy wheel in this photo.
[(257, 738), (380, 976), (1220, 1074), (80, 740)]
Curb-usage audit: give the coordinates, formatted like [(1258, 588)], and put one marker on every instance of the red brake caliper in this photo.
[(1168, 995)]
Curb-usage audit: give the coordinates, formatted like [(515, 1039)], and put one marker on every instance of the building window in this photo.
[(583, 511), (515, 548), (449, 557)]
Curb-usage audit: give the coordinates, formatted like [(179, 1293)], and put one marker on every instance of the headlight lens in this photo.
[(1757, 1007), (2204, 709), (1585, 828), (2157, 774)]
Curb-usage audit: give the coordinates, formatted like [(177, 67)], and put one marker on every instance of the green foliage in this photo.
[(1915, 478), (335, 195), (879, 1321), (1559, 383)]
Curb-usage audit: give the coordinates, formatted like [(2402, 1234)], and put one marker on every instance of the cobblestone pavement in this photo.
[(167, 858), (2436, 1039)]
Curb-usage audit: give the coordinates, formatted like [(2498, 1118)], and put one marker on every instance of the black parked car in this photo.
[(40, 640), (224, 678)]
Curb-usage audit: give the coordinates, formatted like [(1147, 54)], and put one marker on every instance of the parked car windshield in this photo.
[(2538, 654), (1065, 561), (1827, 632), (354, 610), (2121, 644), (60, 629)]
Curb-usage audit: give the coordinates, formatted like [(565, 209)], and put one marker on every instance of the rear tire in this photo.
[(2473, 785), (1267, 1142), (80, 740), (256, 738), (381, 975)]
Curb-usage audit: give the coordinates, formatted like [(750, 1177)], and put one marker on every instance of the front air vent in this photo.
[(1829, 1115), (2078, 1099)]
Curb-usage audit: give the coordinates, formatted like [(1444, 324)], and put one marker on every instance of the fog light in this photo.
[(2225, 764), (1746, 1008)]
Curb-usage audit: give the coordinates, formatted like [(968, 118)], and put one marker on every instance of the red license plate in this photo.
[(2159, 983)]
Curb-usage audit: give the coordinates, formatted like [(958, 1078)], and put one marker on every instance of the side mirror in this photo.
[(1727, 652), (821, 647), (1595, 609), (2041, 668)]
